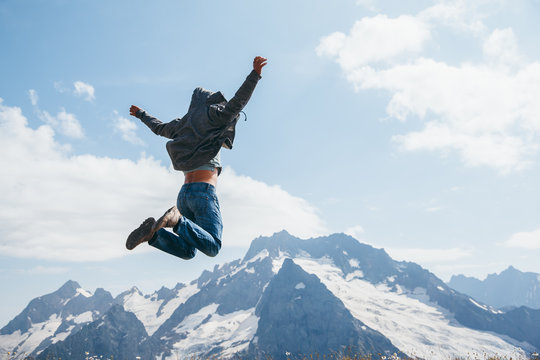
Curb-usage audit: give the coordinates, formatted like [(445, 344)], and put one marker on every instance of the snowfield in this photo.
[(147, 308), (206, 330), (414, 325)]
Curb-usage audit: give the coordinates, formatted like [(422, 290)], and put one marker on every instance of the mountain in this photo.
[(290, 297), (220, 318), (510, 288), (153, 310), (299, 315), (52, 317), (412, 307), (117, 334)]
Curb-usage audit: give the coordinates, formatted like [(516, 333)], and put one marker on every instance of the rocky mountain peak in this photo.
[(510, 288), (68, 290), (273, 244), (299, 315)]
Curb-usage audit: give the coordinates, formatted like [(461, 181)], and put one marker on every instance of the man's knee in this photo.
[(213, 250), (190, 254)]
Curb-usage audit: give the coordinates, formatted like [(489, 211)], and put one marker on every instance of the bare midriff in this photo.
[(205, 176)]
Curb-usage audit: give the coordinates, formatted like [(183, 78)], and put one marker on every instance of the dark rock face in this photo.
[(510, 288), (299, 316), (117, 334)]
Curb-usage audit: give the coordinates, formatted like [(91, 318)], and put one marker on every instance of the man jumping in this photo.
[(194, 148)]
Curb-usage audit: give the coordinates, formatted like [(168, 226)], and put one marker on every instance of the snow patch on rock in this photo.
[(81, 291), (232, 332), (483, 307), (85, 317), (355, 274)]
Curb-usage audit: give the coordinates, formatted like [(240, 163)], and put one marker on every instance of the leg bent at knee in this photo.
[(213, 250), (210, 245), (172, 244), (188, 255)]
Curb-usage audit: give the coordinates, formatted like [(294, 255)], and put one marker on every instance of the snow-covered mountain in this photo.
[(118, 334), (292, 296), (299, 315), (52, 318), (510, 288), (153, 310)]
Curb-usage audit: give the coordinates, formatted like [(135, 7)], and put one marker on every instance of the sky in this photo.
[(413, 126)]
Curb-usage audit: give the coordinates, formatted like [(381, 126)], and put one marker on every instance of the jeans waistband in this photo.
[(199, 186)]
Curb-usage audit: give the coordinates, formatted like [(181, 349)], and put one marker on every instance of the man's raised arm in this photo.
[(230, 111), (156, 125)]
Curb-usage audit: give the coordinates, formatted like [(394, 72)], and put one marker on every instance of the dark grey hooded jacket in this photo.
[(209, 124)]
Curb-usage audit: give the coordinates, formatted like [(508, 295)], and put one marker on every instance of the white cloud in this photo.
[(60, 206), (59, 86), (375, 39), (368, 4), (505, 153), (355, 231), (463, 15), (428, 256), (525, 240), (69, 125), (33, 97), (251, 208), (84, 90), (65, 122), (488, 113), (80, 89), (127, 129), (501, 46)]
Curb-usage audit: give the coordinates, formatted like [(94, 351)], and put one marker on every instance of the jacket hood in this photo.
[(202, 97)]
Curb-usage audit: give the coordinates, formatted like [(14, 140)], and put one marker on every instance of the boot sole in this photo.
[(142, 234)]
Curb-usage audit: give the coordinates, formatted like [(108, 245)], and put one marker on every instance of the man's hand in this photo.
[(258, 63), (133, 110)]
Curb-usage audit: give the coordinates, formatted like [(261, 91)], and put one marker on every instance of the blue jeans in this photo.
[(200, 226)]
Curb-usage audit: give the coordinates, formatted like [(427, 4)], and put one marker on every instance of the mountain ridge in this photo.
[(509, 289), (384, 305)]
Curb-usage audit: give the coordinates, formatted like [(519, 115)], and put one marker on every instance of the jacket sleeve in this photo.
[(223, 115), (157, 127)]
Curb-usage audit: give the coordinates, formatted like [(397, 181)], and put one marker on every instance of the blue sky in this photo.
[(412, 126)]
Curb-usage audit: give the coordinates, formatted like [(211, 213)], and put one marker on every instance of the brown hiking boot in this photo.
[(169, 219), (141, 234)]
